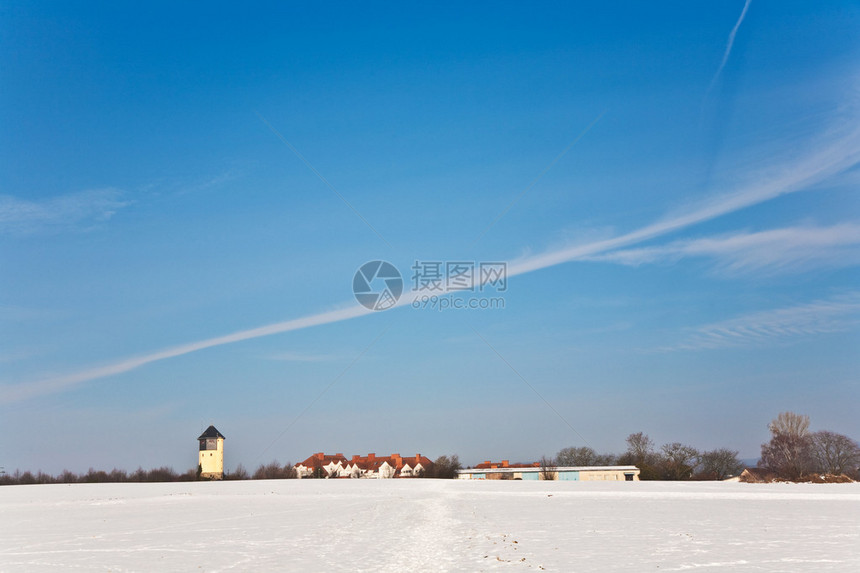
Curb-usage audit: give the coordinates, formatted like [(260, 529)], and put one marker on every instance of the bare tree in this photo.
[(679, 461), (641, 448), (547, 469), (164, 473), (94, 476), (720, 464), (274, 470), (789, 452), (583, 456), (240, 473), (444, 467), (790, 424), (640, 452), (834, 453), (787, 456)]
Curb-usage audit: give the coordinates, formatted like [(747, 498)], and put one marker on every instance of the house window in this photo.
[(628, 477)]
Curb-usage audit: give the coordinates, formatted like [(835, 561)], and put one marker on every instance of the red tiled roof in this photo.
[(368, 463), (320, 459)]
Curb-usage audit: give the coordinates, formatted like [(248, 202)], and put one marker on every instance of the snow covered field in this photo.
[(430, 525)]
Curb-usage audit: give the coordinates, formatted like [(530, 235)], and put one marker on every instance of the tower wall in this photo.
[(212, 461)]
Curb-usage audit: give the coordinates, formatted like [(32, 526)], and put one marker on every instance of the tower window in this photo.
[(208, 444)]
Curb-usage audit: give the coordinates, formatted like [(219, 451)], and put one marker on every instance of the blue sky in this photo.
[(677, 206)]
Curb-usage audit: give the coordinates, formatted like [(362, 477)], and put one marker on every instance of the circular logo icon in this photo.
[(377, 285)]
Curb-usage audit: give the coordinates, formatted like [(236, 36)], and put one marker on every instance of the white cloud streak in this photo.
[(24, 391), (56, 214), (837, 154), (729, 44), (836, 314), (787, 250)]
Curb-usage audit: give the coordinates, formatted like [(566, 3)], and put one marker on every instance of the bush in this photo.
[(444, 467), (274, 470), (719, 464), (240, 473), (678, 461)]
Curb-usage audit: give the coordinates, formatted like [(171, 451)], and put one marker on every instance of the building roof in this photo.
[(504, 464), (369, 463), (211, 432), (320, 459), (536, 469)]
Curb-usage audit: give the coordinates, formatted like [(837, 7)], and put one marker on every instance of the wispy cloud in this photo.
[(65, 212), (787, 250), (16, 392), (210, 183), (836, 314), (832, 154), (290, 356), (836, 154), (729, 44)]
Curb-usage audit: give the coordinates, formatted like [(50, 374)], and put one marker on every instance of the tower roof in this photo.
[(211, 432)]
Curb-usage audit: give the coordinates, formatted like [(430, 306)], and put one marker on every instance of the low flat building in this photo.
[(535, 472)]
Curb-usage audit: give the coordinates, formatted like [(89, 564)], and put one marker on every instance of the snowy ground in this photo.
[(430, 525)]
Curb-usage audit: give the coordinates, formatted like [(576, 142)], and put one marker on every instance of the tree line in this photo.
[(273, 470), (98, 476), (671, 461), (793, 453), (445, 467)]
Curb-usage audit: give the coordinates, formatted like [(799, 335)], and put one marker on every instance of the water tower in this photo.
[(211, 454)]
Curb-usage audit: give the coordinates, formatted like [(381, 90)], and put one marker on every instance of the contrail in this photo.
[(729, 45), (843, 153), (833, 159), (14, 393)]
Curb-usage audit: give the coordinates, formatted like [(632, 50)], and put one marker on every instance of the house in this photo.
[(370, 466), (211, 454), (322, 465), (534, 471)]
